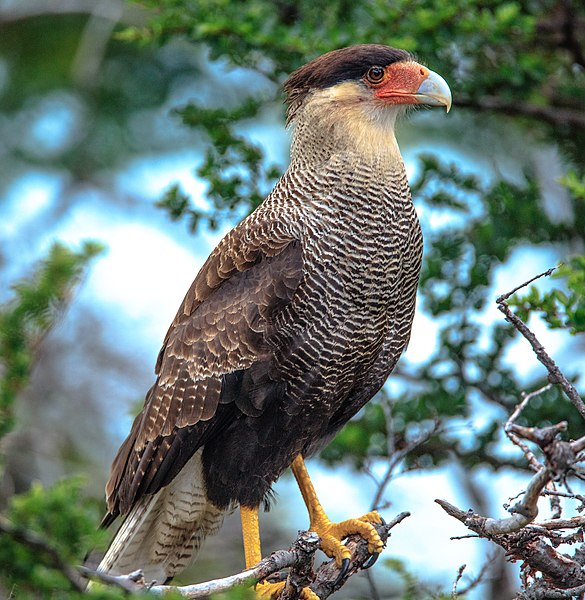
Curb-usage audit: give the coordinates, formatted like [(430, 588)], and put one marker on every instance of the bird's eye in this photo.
[(375, 74)]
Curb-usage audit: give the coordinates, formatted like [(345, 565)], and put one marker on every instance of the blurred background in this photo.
[(133, 135)]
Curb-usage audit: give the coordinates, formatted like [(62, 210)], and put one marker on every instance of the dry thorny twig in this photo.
[(546, 572)]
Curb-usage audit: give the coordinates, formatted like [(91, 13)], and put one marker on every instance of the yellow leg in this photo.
[(331, 533), (253, 555), (251, 535)]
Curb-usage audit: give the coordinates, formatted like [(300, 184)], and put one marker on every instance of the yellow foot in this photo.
[(273, 590), (332, 534)]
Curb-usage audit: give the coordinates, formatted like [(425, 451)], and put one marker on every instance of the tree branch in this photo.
[(301, 572), (325, 582), (555, 115), (398, 456), (526, 543), (546, 573), (509, 429), (555, 375), (134, 582), (299, 559)]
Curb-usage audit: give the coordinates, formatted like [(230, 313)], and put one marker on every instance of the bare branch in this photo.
[(129, 583), (546, 273), (555, 375), (579, 497), (529, 544), (457, 580), (525, 400), (397, 458), (525, 545), (299, 559), (301, 572), (326, 578), (532, 461), (134, 582), (475, 581), (542, 591), (560, 456), (555, 115), (570, 523), (546, 573), (396, 520), (524, 512), (556, 508)]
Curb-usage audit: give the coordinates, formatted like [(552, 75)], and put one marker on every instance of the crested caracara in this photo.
[(293, 323)]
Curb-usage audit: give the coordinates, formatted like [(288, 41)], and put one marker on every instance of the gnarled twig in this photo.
[(554, 373)]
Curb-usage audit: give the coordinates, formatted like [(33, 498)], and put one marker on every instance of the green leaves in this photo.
[(49, 529), (501, 48), (37, 303), (564, 306), (484, 50), (61, 515), (514, 52), (60, 523), (235, 170), (560, 308), (575, 184)]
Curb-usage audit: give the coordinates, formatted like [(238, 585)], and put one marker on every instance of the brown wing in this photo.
[(218, 333)]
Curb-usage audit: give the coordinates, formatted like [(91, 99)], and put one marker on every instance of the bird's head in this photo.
[(362, 88)]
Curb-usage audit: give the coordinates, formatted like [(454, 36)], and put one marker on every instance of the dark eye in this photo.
[(375, 74)]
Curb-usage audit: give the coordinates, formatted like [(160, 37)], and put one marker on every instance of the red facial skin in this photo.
[(400, 83)]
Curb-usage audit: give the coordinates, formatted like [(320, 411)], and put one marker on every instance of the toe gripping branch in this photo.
[(253, 555), (332, 534)]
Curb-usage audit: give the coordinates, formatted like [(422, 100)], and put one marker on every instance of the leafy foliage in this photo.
[(25, 320), (496, 41), (64, 521), (508, 50), (233, 168), (561, 309), (59, 519)]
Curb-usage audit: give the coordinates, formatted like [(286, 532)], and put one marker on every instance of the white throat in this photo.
[(346, 118)]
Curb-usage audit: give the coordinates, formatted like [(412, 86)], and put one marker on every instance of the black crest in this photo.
[(337, 66)]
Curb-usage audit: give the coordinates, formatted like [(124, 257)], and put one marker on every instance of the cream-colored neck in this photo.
[(341, 120)]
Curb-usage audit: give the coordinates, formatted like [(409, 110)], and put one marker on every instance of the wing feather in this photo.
[(213, 351)]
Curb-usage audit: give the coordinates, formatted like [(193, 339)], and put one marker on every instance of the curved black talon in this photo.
[(382, 520), (371, 561), (343, 571)]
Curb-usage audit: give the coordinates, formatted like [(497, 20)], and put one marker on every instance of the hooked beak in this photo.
[(434, 91)]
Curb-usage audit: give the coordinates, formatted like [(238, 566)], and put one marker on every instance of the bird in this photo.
[(293, 323)]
